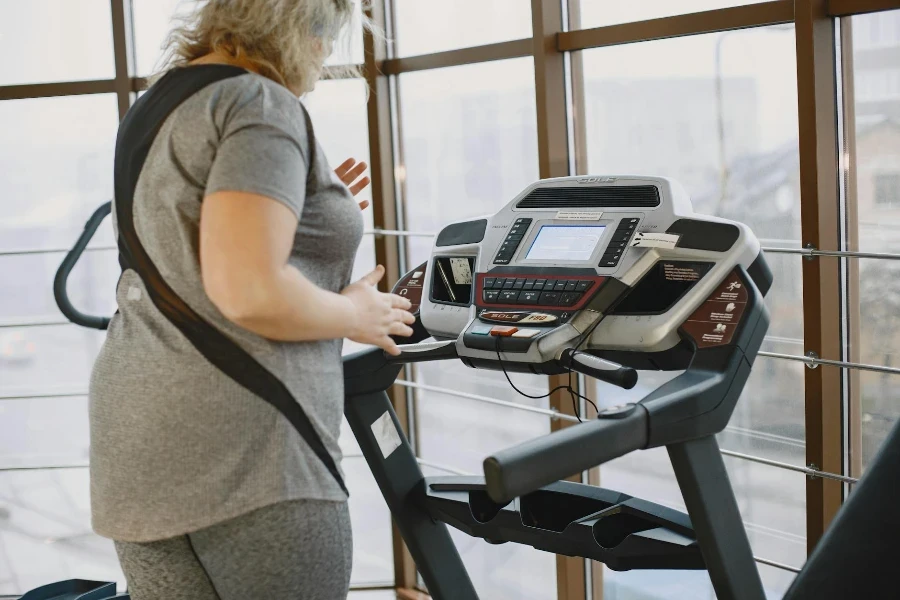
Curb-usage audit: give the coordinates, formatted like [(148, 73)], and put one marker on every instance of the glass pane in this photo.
[(425, 26), (772, 503), (460, 433), (55, 40), (42, 432), (373, 557), (876, 222), (597, 13), (26, 285), (469, 138), (718, 113), (45, 528), (47, 359), (56, 159), (154, 19)]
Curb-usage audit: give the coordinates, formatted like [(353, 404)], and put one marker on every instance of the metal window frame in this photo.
[(846, 8)]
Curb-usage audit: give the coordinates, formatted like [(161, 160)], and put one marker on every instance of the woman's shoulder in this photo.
[(252, 96)]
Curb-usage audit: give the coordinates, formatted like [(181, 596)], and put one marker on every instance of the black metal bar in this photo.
[(401, 482), (68, 263), (717, 522)]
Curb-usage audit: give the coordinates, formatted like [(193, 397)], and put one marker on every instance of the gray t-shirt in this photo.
[(177, 445)]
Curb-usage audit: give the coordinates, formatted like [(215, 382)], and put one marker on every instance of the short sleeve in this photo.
[(263, 143)]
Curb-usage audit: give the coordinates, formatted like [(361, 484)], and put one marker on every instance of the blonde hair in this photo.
[(284, 40)]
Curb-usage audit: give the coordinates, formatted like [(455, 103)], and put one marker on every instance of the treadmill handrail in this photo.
[(516, 471), (60, 282), (423, 352)]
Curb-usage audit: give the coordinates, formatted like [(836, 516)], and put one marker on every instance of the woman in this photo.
[(216, 400)]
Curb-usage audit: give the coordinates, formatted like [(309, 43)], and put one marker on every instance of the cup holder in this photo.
[(554, 511), (612, 529), (483, 508)]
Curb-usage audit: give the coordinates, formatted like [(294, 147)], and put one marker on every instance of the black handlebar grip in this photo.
[(62, 274), (527, 467), (598, 368)]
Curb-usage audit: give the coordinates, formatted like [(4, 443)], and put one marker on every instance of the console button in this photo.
[(503, 330), (620, 245), (529, 283), (523, 220), (508, 284), (509, 297), (631, 221), (488, 283), (514, 237), (608, 262), (583, 286), (622, 236), (571, 285), (539, 284), (569, 299), (560, 286), (490, 296), (549, 298), (498, 283), (519, 284), (528, 286), (526, 333), (529, 297), (548, 287), (500, 260)]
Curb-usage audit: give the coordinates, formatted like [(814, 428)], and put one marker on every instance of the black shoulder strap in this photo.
[(136, 134)]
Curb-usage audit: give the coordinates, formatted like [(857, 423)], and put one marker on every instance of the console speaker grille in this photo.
[(637, 196)]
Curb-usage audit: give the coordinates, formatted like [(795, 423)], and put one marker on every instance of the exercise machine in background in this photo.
[(602, 276)]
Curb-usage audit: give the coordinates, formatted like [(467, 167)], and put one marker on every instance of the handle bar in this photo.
[(598, 368), (524, 468), (62, 274)]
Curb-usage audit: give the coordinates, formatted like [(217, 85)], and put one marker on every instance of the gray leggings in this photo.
[(299, 550)]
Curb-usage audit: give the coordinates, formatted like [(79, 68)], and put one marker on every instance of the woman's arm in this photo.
[(245, 242)]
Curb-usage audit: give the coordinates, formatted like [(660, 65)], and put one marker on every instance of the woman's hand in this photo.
[(349, 172), (378, 315)]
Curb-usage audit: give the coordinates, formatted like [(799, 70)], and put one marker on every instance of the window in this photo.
[(469, 146), (469, 141), (598, 13), (887, 190), (153, 20), (56, 40), (657, 108), (877, 30), (425, 26), (873, 225)]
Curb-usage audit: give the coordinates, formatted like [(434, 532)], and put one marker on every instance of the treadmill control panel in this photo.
[(614, 264)]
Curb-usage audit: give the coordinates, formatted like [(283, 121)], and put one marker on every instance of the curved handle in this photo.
[(68, 263), (598, 368), (531, 465)]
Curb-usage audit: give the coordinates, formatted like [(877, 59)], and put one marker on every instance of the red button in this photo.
[(503, 330)]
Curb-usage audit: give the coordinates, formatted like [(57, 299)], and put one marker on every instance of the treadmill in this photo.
[(602, 276), (606, 277)]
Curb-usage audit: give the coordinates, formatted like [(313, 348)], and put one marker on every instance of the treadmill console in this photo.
[(618, 265)]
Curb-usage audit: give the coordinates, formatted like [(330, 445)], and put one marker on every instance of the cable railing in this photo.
[(556, 415)]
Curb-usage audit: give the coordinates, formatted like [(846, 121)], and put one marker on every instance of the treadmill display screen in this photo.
[(565, 243)]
